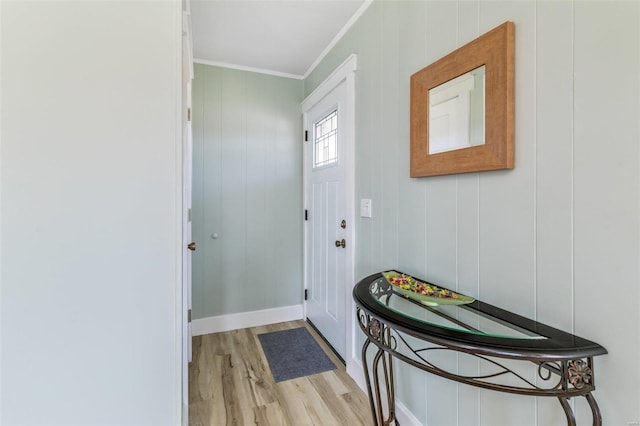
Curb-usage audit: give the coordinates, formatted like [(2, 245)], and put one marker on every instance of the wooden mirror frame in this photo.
[(495, 50)]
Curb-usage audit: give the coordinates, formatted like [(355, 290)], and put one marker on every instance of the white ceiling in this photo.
[(274, 36)]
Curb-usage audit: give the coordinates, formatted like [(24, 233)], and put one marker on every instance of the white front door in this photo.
[(328, 228)]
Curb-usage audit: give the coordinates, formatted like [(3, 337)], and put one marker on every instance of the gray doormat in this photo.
[(294, 353)]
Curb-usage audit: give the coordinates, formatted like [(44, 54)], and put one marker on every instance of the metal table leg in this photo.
[(595, 410), (375, 390)]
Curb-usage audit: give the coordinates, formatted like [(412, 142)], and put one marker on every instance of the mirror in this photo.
[(456, 113), (462, 108)]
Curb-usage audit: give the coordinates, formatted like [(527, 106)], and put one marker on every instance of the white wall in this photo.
[(90, 213), (555, 239)]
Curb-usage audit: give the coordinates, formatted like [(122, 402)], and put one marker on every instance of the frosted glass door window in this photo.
[(325, 141)]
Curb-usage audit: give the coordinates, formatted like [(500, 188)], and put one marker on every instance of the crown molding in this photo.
[(363, 8), (245, 68), (365, 5)]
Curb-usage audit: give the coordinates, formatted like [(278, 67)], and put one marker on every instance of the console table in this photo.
[(516, 354)]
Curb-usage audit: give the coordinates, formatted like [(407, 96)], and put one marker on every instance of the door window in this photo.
[(325, 142)]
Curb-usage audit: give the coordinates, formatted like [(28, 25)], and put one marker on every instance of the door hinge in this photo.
[(306, 136), (306, 214), (189, 215), (188, 114), (189, 315), (306, 294)]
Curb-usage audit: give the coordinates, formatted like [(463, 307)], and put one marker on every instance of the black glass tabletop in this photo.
[(421, 308)]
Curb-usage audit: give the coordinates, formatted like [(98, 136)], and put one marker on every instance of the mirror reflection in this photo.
[(457, 112)]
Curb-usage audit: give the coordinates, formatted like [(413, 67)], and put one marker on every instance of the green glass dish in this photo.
[(413, 289)]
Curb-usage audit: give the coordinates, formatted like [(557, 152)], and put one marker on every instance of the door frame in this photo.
[(343, 73)]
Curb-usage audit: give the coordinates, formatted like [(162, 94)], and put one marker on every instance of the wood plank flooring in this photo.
[(230, 384)]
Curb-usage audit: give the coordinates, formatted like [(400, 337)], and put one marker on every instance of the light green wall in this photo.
[(247, 188), (545, 239)]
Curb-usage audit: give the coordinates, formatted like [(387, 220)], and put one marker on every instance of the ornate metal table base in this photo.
[(563, 379)]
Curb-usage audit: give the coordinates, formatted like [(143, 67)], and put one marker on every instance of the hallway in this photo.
[(231, 384)]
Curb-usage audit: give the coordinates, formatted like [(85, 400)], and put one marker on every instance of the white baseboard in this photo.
[(356, 371), (185, 415), (406, 417), (245, 319)]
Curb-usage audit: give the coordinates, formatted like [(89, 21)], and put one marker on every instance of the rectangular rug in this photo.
[(294, 353)]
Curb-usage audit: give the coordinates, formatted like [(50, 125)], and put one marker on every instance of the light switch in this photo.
[(365, 207)]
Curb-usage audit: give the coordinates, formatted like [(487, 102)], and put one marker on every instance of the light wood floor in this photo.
[(230, 384)]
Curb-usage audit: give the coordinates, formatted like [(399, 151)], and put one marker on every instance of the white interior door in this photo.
[(187, 245), (328, 246)]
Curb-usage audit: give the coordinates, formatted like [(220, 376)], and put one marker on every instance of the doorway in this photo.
[(329, 124)]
